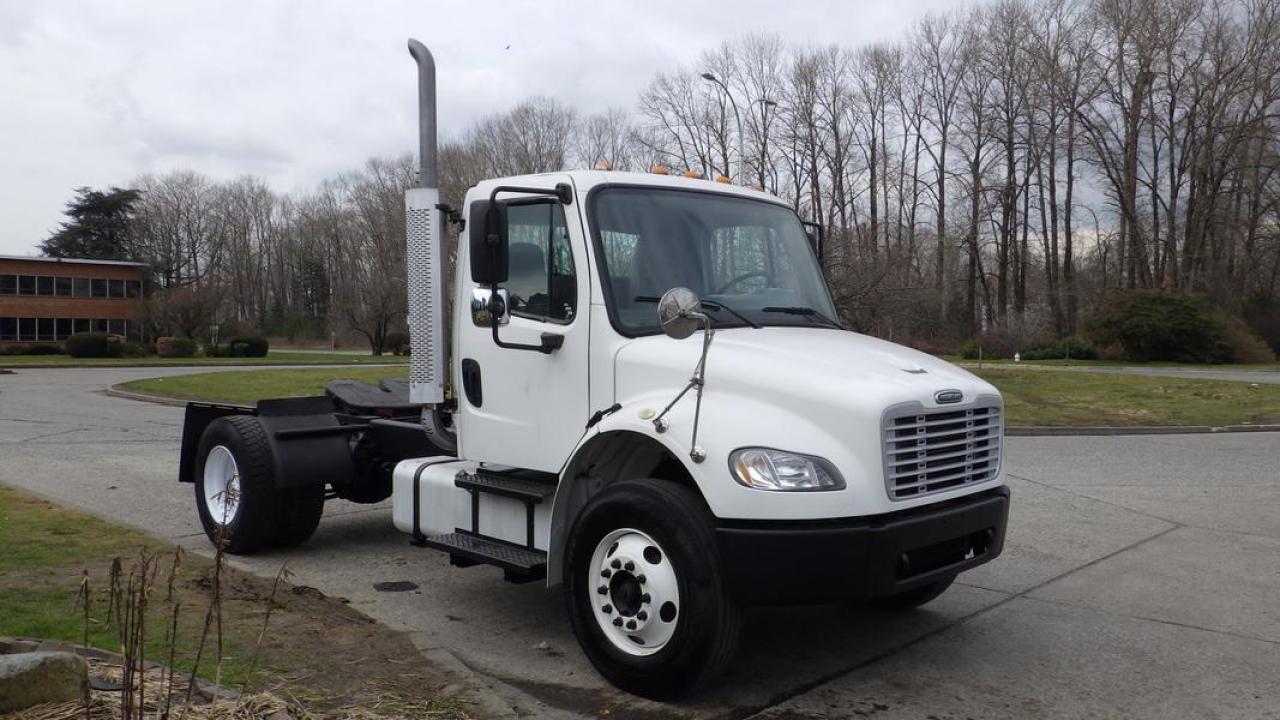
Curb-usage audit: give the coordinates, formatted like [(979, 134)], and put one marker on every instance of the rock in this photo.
[(32, 678)]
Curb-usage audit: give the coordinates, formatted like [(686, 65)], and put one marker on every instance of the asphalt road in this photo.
[(1140, 579)]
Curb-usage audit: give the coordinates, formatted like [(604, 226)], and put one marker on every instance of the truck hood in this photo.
[(787, 365)]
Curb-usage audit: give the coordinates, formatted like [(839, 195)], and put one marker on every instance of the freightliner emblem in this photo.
[(946, 397)]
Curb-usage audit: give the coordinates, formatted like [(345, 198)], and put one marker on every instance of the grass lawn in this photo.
[(972, 363), (1032, 397), (272, 358), (1048, 398), (308, 648)]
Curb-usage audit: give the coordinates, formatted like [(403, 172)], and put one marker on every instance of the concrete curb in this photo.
[(1041, 431), (117, 391), (208, 366), (15, 644)]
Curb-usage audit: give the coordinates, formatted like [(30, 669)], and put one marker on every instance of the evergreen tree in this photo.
[(98, 226)]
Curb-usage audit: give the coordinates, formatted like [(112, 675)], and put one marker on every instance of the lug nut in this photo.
[(644, 598), (631, 624), (602, 590), (630, 566), (617, 622), (605, 573), (642, 616), (607, 609), (616, 564), (641, 578)]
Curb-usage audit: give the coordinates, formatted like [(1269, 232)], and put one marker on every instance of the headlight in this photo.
[(768, 469)]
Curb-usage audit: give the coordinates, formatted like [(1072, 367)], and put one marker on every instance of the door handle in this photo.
[(471, 382)]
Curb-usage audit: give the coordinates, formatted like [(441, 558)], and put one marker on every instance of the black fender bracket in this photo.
[(309, 441)]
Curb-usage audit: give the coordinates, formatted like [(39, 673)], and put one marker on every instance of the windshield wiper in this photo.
[(713, 305), (806, 312)]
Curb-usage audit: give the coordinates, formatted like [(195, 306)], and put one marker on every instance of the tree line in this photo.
[(994, 170)]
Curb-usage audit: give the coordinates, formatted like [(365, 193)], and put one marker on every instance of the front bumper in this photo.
[(796, 562)]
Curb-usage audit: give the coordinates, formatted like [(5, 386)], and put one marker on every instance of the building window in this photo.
[(62, 286), (26, 285), (8, 328), (8, 284), (44, 285), (132, 288), (100, 326), (115, 327), (26, 329), (45, 328), (82, 325), (116, 288), (99, 288), (81, 287), (63, 328)]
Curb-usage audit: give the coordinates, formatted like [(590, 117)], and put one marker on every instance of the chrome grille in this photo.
[(930, 451)]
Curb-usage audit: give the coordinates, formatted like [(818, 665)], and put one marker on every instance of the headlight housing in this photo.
[(768, 469)]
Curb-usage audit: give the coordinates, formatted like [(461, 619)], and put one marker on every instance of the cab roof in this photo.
[(586, 180)]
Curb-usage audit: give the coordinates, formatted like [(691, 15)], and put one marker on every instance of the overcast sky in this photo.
[(97, 93)]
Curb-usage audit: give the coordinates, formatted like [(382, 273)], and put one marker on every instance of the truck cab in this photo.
[(642, 394)]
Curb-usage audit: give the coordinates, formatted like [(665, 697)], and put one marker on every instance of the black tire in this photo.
[(298, 512), (914, 598), (253, 526), (707, 623)]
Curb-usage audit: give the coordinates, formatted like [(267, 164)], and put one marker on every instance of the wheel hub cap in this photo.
[(634, 593), (221, 485)]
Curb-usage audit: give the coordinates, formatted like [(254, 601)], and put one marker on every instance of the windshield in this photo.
[(751, 260)]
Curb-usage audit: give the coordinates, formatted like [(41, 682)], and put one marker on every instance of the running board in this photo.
[(528, 486), (520, 564)]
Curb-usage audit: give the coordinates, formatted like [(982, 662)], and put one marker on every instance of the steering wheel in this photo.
[(740, 278)]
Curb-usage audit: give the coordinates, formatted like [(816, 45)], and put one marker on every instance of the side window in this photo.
[(8, 284), (541, 278)]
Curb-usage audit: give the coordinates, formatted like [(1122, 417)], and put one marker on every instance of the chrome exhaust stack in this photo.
[(424, 227)]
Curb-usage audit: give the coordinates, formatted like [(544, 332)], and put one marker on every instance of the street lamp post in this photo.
[(742, 155)]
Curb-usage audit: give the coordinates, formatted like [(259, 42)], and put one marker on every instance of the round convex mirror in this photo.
[(680, 313)]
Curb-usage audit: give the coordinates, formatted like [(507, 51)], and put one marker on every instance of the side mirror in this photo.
[(680, 313), (488, 242)]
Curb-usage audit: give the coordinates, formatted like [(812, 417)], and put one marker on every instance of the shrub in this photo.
[(397, 343), (218, 351), (248, 346), (44, 349), (94, 345), (1069, 348), (14, 350), (174, 347), (1158, 325), (137, 350), (1241, 345)]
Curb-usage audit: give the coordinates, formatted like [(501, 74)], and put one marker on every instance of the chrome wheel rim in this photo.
[(634, 595), (221, 486)]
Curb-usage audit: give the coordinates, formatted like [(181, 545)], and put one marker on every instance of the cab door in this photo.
[(521, 407)]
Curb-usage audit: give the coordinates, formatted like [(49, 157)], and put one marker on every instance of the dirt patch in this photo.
[(316, 649)]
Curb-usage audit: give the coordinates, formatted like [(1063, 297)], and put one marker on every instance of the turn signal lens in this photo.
[(693, 174), (723, 179), (658, 170), (604, 165), (769, 469)]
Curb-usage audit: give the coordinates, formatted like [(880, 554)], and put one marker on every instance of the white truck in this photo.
[(645, 398)]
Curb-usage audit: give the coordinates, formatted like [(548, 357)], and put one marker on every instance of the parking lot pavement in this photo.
[(1139, 580)]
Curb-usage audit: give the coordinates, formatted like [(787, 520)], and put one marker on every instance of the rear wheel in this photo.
[(235, 484), (644, 590)]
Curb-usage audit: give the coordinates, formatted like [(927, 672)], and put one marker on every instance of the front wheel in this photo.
[(644, 590)]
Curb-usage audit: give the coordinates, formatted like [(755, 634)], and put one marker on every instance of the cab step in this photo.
[(521, 564), (530, 486)]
